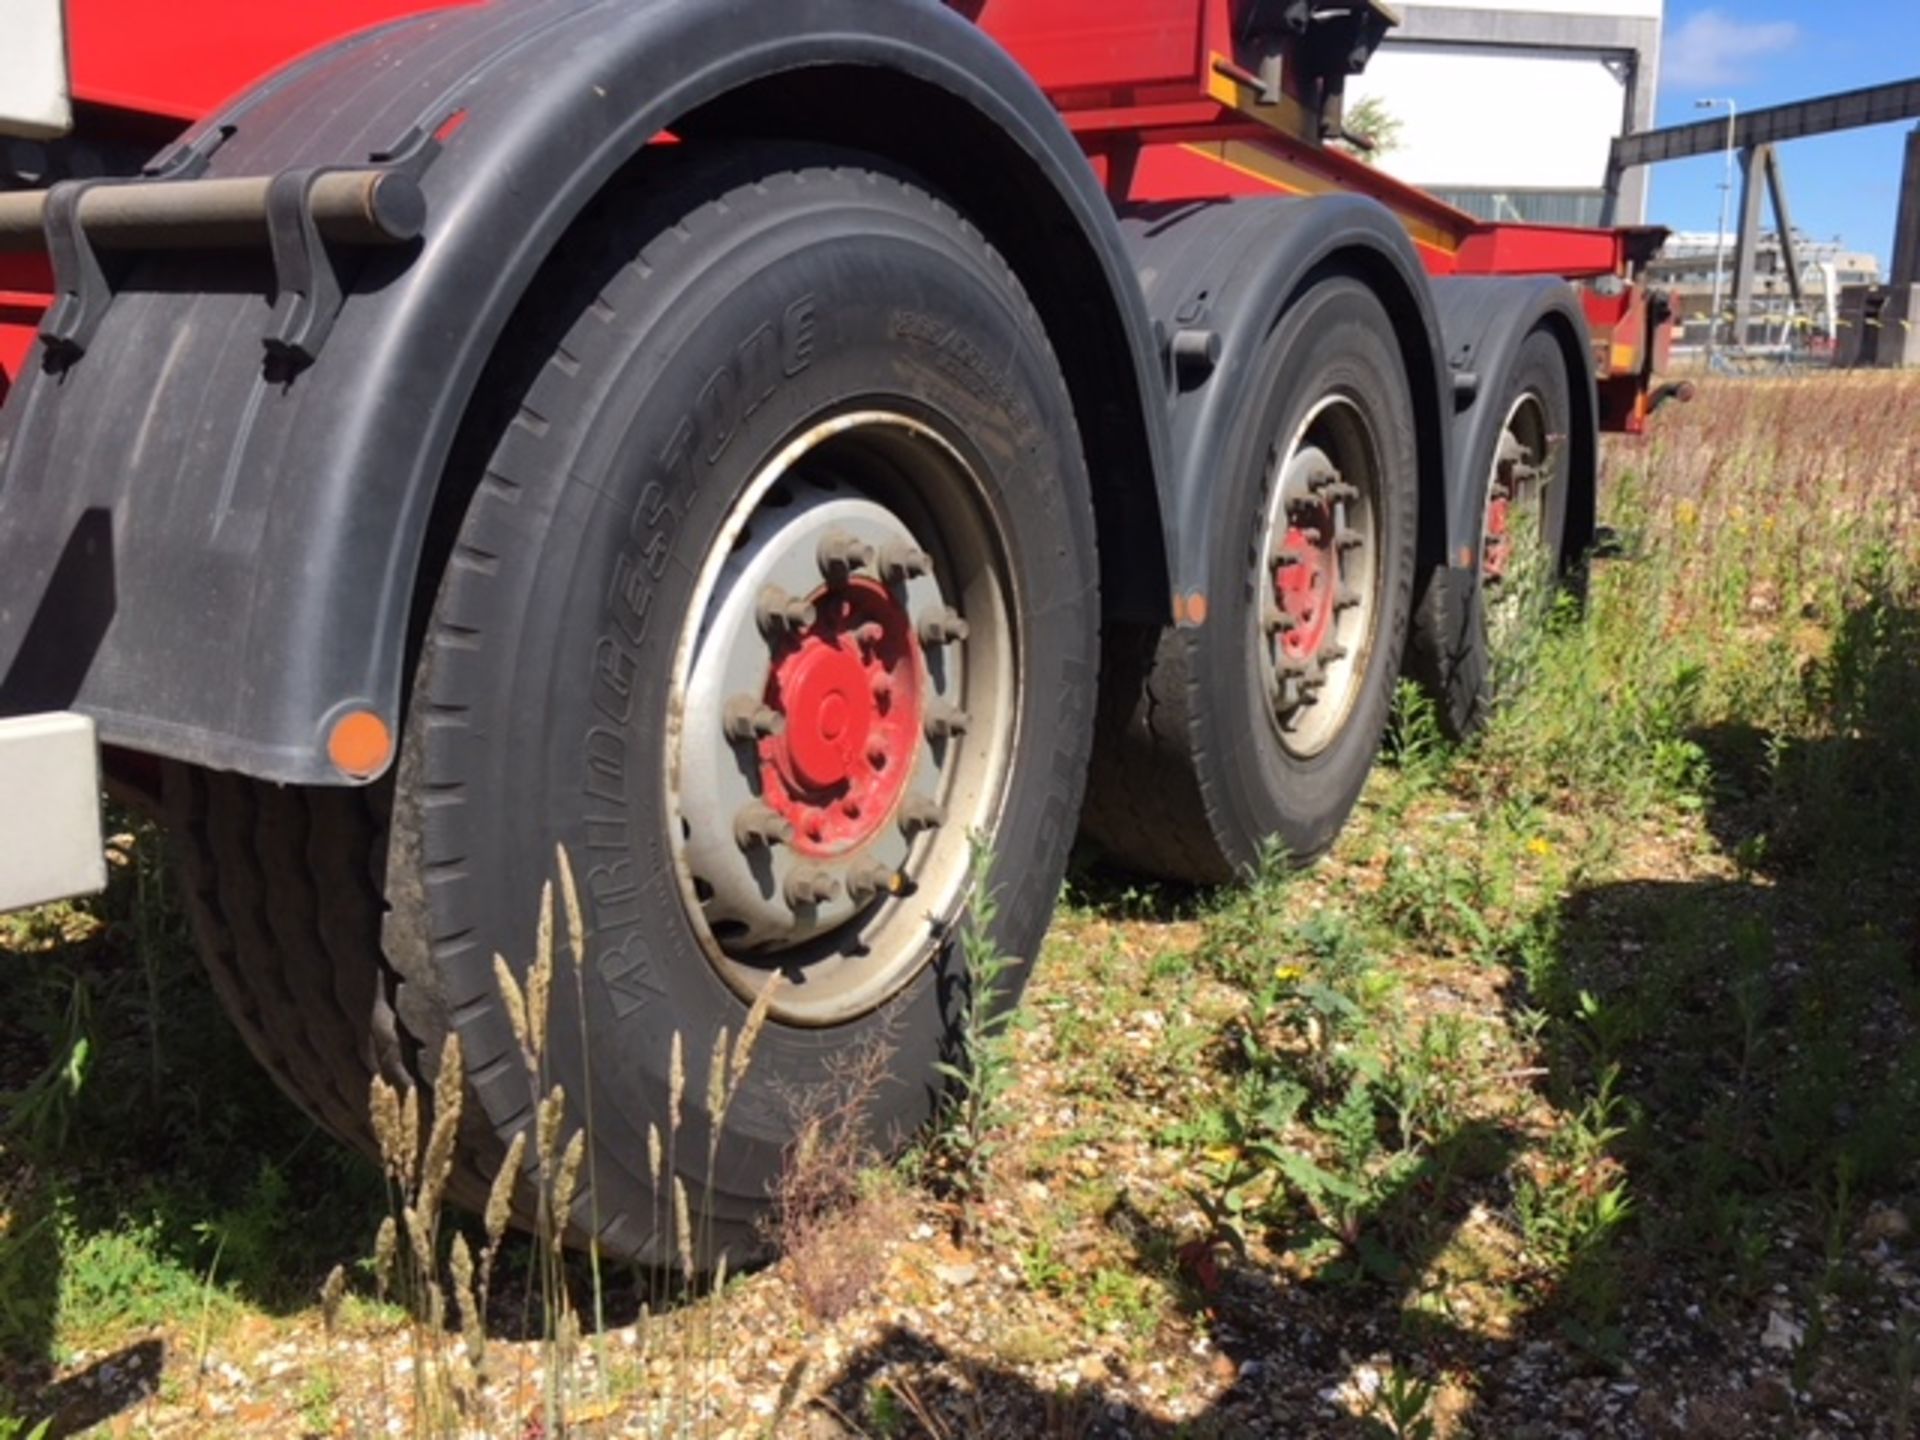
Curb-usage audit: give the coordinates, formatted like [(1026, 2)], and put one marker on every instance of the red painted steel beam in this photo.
[(181, 60)]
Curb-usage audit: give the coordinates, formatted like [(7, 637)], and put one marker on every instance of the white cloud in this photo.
[(1711, 48)]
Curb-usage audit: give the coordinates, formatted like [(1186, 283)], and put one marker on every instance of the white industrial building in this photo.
[(1506, 107)]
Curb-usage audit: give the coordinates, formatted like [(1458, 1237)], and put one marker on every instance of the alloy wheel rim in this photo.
[(842, 715), (1512, 528), (1318, 576)]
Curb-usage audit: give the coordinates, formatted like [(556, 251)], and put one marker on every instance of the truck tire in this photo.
[(1260, 724), (774, 592), (1521, 475)]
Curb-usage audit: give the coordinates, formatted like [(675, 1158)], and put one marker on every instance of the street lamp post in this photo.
[(1720, 238)]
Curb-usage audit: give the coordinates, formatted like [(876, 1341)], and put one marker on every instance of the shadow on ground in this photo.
[(149, 1171), (1757, 1034), (1759, 1039)]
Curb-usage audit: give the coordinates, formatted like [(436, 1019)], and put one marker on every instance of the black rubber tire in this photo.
[(283, 890), (1448, 650), (581, 534), (1189, 782)]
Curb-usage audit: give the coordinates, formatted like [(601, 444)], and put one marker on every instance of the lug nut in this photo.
[(866, 881), (759, 826), (877, 755), (747, 719), (920, 812), (1279, 622), (779, 613), (840, 554), (1340, 493), (868, 634), (1283, 559), (1348, 540), (881, 687), (944, 720), (1345, 598), (900, 561), (941, 626), (1331, 653), (810, 885)]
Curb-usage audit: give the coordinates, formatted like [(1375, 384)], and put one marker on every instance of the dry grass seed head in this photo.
[(418, 1236), (333, 1291), (750, 1032), (465, 1308), (447, 1088), (410, 1138), (654, 1155), (570, 901), (568, 1179), (385, 1245), (540, 977), (717, 1081), (515, 1001), (676, 1083), (682, 1229), (383, 1110), (547, 1129), (500, 1196)]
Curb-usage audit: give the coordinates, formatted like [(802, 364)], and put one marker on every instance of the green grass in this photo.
[(150, 1176), (1579, 1023)]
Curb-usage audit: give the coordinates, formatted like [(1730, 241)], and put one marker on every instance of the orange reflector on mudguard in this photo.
[(360, 744)]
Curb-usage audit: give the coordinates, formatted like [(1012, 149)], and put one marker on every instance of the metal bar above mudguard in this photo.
[(350, 207)]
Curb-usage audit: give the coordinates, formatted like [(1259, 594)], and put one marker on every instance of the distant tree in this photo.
[(1372, 122)]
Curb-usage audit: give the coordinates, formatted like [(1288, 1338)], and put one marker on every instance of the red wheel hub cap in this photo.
[(1305, 584), (849, 690), (1493, 560)]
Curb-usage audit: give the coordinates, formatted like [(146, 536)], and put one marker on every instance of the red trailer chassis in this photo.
[(1151, 89)]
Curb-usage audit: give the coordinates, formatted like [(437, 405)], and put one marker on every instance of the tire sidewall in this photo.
[(1336, 338), (1537, 368)]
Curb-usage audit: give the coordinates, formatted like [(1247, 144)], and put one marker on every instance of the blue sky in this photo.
[(1764, 52)]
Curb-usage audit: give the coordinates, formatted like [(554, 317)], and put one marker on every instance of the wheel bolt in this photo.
[(920, 812), (941, 626), (1348, 540), (882, 688), (900, 561), (779, 613), (1330, 653), (866, 881), (840, 554), (1345, 598), (877, 755), (868, 634), (1279, 622), (810, 885), (759, 826), (1284, 559), (1310, 534), (944, 720), (747, 719)]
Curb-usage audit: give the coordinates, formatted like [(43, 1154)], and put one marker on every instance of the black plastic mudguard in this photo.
[(216, 556), (1483, 323), (1218, 276)]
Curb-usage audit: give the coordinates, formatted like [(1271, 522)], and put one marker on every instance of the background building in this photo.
[(1506, 107), (1685, 267)]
